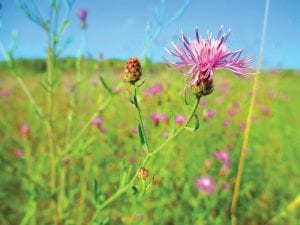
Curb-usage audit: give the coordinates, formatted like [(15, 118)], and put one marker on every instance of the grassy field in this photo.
[(103, 156)]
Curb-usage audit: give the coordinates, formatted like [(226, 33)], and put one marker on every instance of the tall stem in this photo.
[(146, 160)]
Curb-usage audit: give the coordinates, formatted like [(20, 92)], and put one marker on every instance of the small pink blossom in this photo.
[(18, 153), (159, 117), (135, 130), (97, 122), (243, 125), (82, 14), (6, 92), (208, 114), (206, 185), (180, 119), (95, 82), (202, 102), (219, 100), (226, 123), (225, 185), (265, 111), (224, 157), (165, 134), (235, 105), (207, 164), (158, 88), (231, 112), (24, 130)]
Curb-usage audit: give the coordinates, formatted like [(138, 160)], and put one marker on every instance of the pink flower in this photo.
[(201, 57), (158, 117), (243, 125), (165, 134), (225, 185), (224, 157), (226, 123), (231, 112), (219, 100), (202, 102), (24, 130), (95, 82), (208, 114), (265, 111), (97, 122), (206, 185), (6, 92), (135, 130), (235, 105), (158, 88), (18, 153), (82, 14), (254, 117), (207, 164), (180, 119)]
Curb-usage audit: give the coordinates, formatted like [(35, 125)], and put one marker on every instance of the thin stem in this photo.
[(140, 119), (146, 160), (249, 120)]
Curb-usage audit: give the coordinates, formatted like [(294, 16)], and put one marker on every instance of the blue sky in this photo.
[(117, 27)]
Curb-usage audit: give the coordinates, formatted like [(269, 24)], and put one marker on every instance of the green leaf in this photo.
[(196, 127), (64, 26), (185, 97), (171, 122), (135, 190), (142, 138), (105, 85)]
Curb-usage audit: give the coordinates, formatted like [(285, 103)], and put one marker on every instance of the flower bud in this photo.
[(202, 87), (143, 173), (133, 70)]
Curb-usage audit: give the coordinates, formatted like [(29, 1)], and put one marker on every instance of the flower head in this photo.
[(97, 122), (24, 130), (206, 184), (133, 70), (157, 88), (201, 57), (158, 117), (208, 114), (82, 14), (180, 119), (224, 157)]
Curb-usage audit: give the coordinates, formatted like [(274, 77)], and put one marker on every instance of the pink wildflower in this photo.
[(224, 157), (206, 185), (208, 114), (97, 122), (226, 123), (158, 117), (265, 111), (202, 102), (24, 130), (6, 92), (180, 119), (18, 153), (158, 88), (201, 57), (225, 185)]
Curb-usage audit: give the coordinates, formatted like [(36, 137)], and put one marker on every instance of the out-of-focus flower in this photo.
[(155, 89), (224, 87), (243, 125), (133, 70), (231, 112), (143, 173), (207, 164), (271, 94), (24, 130), (265, 111), (226, 123), (235, 105), (202, 102), (201, 57), (219, 100), (206, 185), (95, 82), (165, 134), (6, 92), (159, 117), (254, 117), (132, 160), (224, 157), (82, 14), (225, 185), (18, 153), (97, 122), (135, 130), (180, 119), (208, 114)]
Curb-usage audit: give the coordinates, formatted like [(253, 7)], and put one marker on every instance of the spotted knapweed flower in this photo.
[(201, 57), (206, 185), (82, 14)]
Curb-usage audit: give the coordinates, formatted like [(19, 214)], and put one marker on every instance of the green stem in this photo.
[(146, 160)]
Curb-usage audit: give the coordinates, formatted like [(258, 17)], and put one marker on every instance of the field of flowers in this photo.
[(201, 138), (108, 150)]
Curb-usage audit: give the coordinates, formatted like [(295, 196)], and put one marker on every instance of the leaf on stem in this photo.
[(171, 122), (105, 85), (142, 138), (196, 127)]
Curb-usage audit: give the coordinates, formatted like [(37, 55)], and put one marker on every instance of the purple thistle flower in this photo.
[(201, 57), (158, 117), (206, 184), (82, 14)]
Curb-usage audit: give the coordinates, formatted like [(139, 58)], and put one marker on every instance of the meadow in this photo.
[(107, 151)]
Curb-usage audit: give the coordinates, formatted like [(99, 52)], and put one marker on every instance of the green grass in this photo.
[(270, 180)]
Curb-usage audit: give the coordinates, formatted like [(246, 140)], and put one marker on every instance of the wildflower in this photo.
[(18, 153), (95, 82), (226, 123), (206, 184), (180, 119), (231, 112), (165, 134), (158, 88), (207, 164), (243, 125), (97, 122), (202, 102), (143, 173), (133, 70), (208, 114), (82, 14), (6, 92), (219, 100), (24, 130), (201, 57), (158, 117), (225, 185), (265, 111), (235, 105), (224, 157)]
